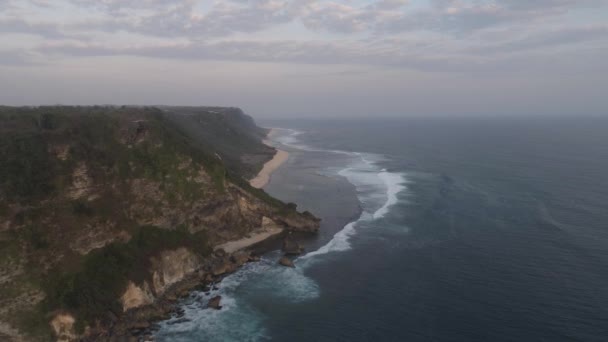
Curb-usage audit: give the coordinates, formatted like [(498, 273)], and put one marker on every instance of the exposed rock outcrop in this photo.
[(81, 182), (96, 179), (63, 327), (285, 261), (291, 247), (136, 296), (214, 303), (240, 257), (171, 267)]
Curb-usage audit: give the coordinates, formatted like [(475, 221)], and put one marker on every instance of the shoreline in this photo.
[(280, 157), (246, 242)]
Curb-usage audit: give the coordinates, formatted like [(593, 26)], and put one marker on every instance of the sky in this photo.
[(310, 58)]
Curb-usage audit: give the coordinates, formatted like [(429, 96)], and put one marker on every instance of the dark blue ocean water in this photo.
[(434, 230)]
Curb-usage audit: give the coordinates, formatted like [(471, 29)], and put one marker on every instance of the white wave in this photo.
[(238, 320), (290, 139), (377, 190), (286, 283), (338, 243), (395, 183)]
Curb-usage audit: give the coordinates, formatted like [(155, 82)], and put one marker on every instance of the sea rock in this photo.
[(285, 261), (291, 247), (140, 325), (222, 266), (203, 288), (240, 258), (254, 258), (214, 303)]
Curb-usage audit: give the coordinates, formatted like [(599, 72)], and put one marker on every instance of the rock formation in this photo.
[(121, 207), (285, 261)]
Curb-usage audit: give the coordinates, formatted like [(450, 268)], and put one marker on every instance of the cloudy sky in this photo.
[(279, 58)]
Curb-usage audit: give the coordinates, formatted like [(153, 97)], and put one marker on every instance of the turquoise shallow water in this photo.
[(434, 230)]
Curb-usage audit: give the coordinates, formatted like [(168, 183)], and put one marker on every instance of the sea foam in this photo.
[(377, 190), (395, 183)]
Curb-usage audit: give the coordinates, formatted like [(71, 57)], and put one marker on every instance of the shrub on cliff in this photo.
[(95, 288)]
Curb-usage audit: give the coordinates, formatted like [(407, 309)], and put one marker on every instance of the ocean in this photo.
[(434, 229)]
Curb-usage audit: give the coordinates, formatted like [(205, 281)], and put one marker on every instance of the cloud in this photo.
[(46, 30), (562, 36), (17, 58), (445, 35), (388, 53), (182, 18)]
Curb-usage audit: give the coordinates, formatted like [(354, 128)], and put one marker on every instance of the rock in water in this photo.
[(285, 261), (214, 303), (222, 266), (291, 247), (240, 258)]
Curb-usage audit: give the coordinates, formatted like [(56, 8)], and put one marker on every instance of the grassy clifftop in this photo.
[(89, 194), (233, 135)]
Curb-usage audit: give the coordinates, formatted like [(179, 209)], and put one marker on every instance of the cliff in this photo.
[(102, 209)]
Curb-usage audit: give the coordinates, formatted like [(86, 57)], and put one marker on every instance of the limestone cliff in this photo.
[(102, 209)]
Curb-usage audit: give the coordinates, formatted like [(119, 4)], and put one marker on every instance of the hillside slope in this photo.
[(93, 199)]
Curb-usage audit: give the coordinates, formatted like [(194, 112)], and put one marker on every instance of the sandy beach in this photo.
[(235, 245), (263, 177), (259, 182)]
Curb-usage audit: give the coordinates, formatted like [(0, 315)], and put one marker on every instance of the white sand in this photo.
[(259, 182), (262, 179), (233, 246)]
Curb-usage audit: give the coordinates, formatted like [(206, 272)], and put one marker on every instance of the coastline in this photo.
[(275, 283), (246, 242), (259, 181), (263, 177), (226, 259)]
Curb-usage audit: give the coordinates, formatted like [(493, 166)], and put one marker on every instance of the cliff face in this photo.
[(227, 131), (102, 209)]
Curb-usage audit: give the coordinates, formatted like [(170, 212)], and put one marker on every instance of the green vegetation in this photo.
[(81, 208), (94, 290), (259, 193), (230, 134), (44, 151), (25, 166), (35, 237)]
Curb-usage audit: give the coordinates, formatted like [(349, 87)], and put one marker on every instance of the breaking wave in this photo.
[(377, 191)]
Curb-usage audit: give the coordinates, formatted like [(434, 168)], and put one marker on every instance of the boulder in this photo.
[(140, 325), (254, 258), (214, 303), (291, 247), (220, 253), (285, 261), (240, 258), (221, 267)]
